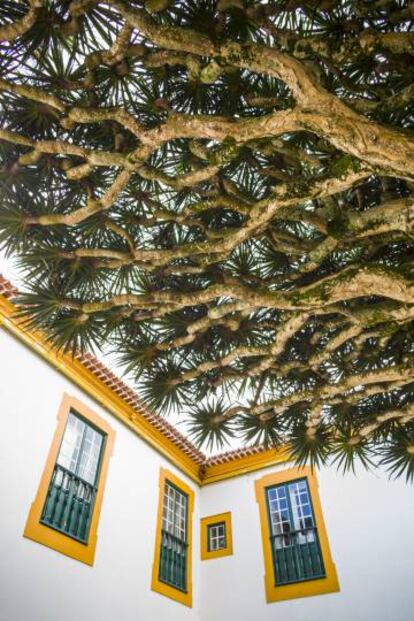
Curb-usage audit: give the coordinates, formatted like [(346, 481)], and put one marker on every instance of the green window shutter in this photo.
[(174, 544), (294, 535), (74, 484)]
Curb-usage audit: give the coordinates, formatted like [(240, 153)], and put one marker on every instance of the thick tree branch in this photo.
[(17, 29), (321, 112)]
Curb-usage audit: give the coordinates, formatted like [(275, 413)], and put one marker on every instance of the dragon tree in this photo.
[(222, 194)]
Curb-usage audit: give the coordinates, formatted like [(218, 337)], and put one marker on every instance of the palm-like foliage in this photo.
[(221, 192)]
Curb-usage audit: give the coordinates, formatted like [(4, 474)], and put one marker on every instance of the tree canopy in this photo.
[(222, 193)]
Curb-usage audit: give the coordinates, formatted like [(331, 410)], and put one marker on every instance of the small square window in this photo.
[(216, 536)]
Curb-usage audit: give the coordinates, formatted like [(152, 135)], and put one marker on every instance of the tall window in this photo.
[(296, 551), (294, 535), (73, 487), (173, 553), (65, 513), (171, 573)]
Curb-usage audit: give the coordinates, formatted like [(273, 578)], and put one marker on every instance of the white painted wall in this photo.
[(370, 526), (40, 584)]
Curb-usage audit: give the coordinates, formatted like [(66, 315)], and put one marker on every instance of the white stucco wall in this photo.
[(40, 584), (370, 526)]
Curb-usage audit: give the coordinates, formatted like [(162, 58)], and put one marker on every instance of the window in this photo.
[(173, 553), (216, 536), (296, 550), (65, 513), (172, 560), (73, 487), (295, 541)]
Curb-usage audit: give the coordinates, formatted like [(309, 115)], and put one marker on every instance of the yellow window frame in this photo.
[(157, 585), (34, 529), (205, 522), (319, 586)]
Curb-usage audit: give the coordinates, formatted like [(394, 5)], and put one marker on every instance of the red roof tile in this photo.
[(7, 289), (223, 458)]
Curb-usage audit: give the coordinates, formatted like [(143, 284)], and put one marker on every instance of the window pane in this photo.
[(71, 443), (216, 536), (174, 512), (279, 515), (300, 502), (89, 459)]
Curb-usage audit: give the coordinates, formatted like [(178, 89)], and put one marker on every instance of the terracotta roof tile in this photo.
[(223, 458), (7, 289)]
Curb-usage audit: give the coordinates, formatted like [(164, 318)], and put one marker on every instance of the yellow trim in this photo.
[(47, 536), (301, 589), (98, 390), (243, 465), (205, 522), (156, 584)]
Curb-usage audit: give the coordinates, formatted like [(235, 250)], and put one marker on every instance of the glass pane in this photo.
[(174, 512), (279, 515), (89, 459), (216, 536), (71, 443), (300, 502)]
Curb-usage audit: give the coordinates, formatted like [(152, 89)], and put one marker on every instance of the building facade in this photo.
[(109, 513)]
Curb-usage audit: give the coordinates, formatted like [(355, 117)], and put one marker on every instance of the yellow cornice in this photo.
[(243, 465), (80, 375)]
